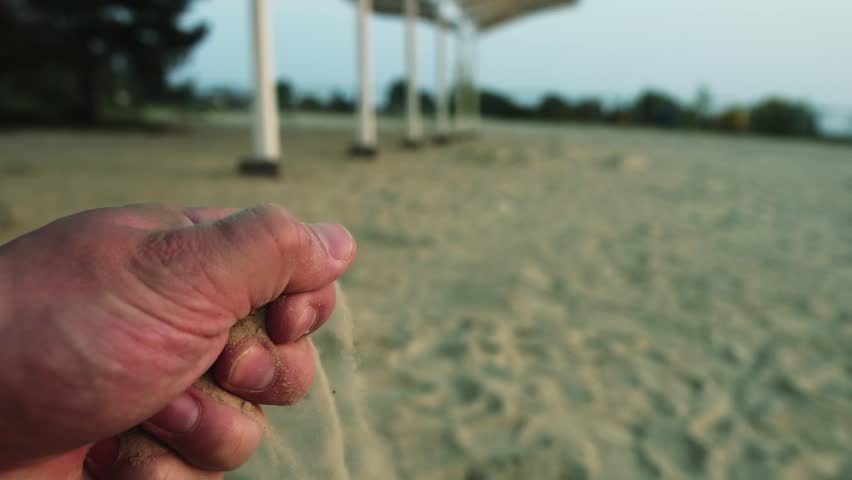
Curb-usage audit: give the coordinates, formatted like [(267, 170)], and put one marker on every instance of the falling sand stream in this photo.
[(325, 436)]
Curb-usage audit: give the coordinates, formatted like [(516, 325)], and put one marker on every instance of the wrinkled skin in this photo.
[(107, 318)]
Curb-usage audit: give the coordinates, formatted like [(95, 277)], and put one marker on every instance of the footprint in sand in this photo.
[(628, 163), (468, 389), (545, 458), (666, 450), (453, 348)]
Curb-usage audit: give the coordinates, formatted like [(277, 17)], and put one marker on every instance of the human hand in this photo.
[(107, 318)]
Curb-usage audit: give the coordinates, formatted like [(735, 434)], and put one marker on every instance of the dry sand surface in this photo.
[(554, 303)]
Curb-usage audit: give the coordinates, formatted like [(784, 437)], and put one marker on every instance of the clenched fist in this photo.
[(107, 318)]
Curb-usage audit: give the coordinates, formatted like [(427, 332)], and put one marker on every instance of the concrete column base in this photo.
[(441, 139), (412, 143), (259, 167), (363, 151)]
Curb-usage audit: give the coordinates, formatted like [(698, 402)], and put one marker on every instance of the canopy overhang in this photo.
[(426, 9), (488, 14), (482, 14)]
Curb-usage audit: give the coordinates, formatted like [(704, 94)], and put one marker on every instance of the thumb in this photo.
[(248, 259)]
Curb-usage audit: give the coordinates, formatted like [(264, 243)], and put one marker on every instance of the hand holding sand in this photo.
[(108, 317)]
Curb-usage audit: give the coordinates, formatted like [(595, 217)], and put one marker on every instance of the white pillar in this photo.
[(442, 108), (415, 126), (366, 138), (476, 108), (460, 80), (267, 145)]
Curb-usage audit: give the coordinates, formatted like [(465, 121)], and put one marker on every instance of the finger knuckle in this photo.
[(170, 249), (275, 212), (276, 224), (296, 239)]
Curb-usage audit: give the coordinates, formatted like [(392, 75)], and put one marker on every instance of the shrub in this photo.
[(396, 98), (554, 107), (310, 103), (284, 94), (340, 103), (496, 104), (658, 109), (735, 119), (777, 116), (589, 110)]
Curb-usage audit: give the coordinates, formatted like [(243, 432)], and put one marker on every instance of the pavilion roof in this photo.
[(487, 14), (484, 14)]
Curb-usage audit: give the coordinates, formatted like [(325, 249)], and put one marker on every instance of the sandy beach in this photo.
[(553, 302)]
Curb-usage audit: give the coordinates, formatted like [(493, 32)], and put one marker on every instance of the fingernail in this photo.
[(253, 370), (103, 453), (336, 239), (179, 416), (304, 325)]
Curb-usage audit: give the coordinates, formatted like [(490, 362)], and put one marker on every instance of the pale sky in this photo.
[(741, 49)]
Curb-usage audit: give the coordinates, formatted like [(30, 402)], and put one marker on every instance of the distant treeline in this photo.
[(187, 95), (772, 116), (92, 62)]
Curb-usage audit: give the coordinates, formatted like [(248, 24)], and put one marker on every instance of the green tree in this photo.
[(226, 97), (310, 103), (396, 97), (777, 116), (589, 110), (284, 93), (340, 103), (65, 60), (554, 107), (658, 109), (496, 104)]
